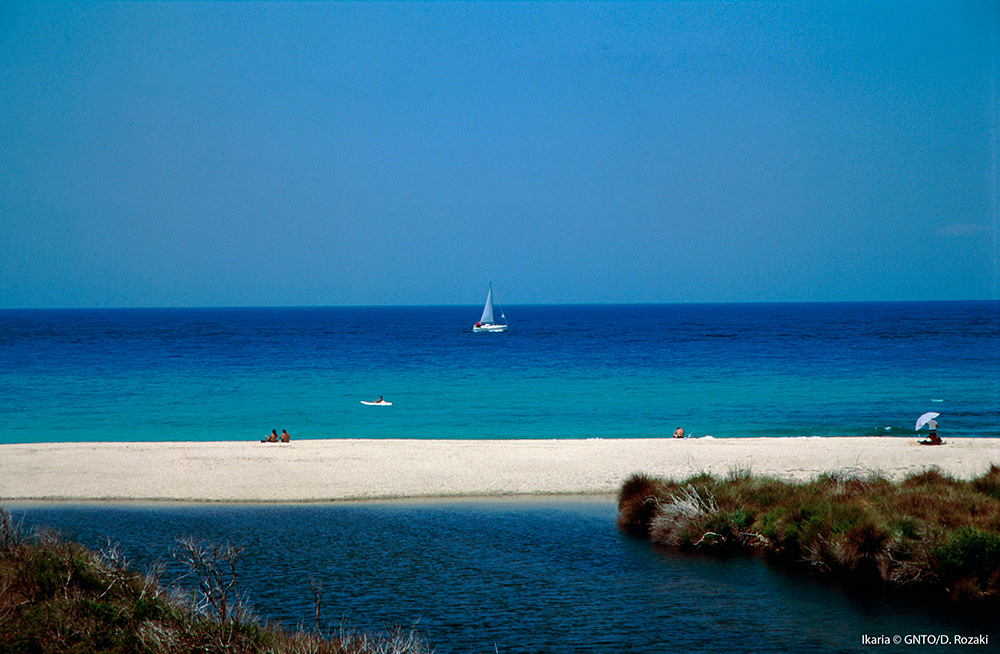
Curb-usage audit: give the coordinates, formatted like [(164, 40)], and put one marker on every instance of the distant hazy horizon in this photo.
[(478, 306)]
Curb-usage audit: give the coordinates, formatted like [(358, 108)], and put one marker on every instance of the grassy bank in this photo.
[(929, 532), (57, 596)]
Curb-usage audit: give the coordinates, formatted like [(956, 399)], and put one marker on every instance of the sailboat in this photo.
[(486, 323)]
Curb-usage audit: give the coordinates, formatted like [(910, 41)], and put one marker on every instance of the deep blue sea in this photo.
[(561, 371)]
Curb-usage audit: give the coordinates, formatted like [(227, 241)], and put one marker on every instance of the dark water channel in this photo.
[(511, 576)]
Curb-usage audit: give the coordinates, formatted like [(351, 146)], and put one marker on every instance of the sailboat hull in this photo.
[(486, 323), (489, 328)]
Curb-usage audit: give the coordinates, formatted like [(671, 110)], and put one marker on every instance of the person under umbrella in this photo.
[(929, 420)]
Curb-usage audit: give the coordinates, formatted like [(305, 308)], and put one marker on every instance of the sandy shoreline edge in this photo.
[(372, 469)]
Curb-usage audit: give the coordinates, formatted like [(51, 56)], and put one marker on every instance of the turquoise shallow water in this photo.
[(603, 371)]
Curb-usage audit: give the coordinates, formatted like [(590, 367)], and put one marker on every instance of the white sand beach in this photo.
[(355, 469)]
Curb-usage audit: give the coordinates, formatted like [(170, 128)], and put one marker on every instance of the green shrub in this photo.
[(724, 527), (771, 524), (969, 553), (761, 493)]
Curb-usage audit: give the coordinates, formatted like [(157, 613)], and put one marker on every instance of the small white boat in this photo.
[(486, 323)]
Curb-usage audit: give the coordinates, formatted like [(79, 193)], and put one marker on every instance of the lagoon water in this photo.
[(603, 371), (509, 576)]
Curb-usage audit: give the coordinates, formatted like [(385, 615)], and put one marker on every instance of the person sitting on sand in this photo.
[(273, 436), (678, 433), (933, 436), (285, 437)]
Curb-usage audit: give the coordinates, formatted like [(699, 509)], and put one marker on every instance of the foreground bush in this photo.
[(57, 596), (929, 531)]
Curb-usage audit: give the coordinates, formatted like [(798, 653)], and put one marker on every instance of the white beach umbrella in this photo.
[(924, 419)]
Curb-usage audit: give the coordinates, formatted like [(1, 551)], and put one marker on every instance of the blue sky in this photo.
[(244, 154)]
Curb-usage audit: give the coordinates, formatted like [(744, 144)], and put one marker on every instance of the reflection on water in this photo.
[(510, 576)]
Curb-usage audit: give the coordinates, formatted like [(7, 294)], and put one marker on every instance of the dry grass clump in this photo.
[(989, 484), (57, 596), (681, 515), (637, 502), (930, 530)]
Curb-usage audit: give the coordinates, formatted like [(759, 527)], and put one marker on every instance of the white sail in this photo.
[(486, 323), (488, 309)]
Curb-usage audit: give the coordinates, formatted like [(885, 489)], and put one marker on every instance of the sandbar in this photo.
[(373, 469)]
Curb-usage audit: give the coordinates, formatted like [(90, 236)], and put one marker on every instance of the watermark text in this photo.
[(870, 640)]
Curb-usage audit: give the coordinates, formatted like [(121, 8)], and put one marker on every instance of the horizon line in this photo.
[(472, 304)]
